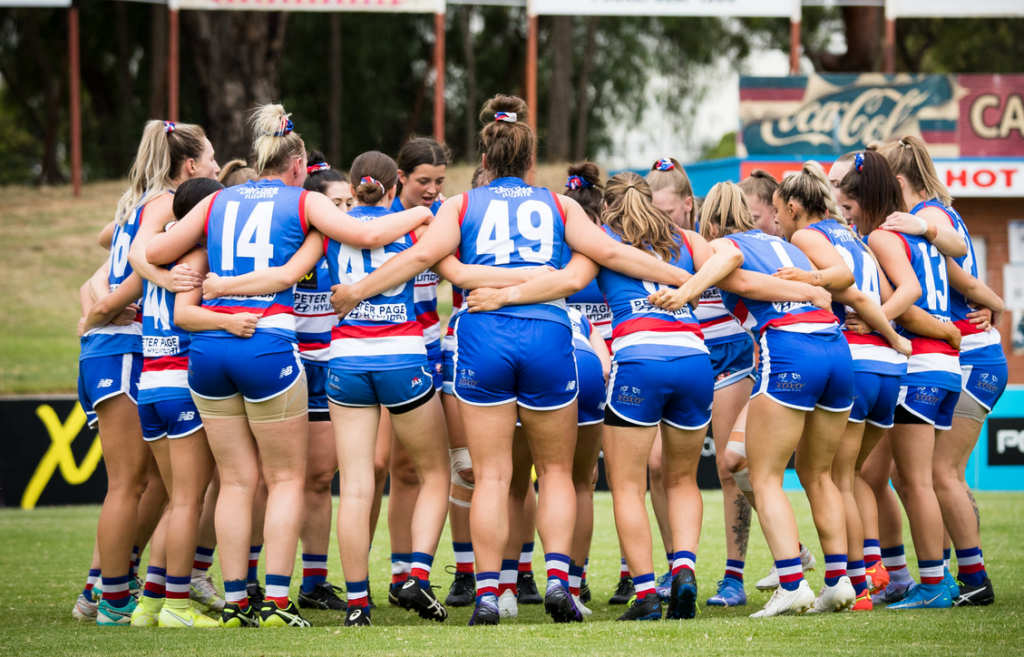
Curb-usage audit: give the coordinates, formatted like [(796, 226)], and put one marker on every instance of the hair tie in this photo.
[(576, 182), (664, 164), (903, 143), (858, 162), (168, 127), (286, 128), (507, 117), (630, 187), (373, 181), (313, 168)]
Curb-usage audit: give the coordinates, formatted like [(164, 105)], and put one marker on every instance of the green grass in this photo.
[(44, 555)]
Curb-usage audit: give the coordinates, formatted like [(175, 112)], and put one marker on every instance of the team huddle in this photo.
[(258, 329)]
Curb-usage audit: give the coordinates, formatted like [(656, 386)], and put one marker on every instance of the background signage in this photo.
[(828, 115)]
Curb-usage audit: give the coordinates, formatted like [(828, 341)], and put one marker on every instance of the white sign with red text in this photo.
[(979, 178)]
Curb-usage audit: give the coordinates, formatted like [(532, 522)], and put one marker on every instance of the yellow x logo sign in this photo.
[(59, 454)]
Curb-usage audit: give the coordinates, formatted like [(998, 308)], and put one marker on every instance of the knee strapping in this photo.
[(460, 462), (742, 476)]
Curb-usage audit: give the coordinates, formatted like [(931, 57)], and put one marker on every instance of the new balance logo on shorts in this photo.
[(286, 371), (570, 386), (186, 416), (105, 383)]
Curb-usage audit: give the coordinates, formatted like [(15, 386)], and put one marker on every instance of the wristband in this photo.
[(923, 224)]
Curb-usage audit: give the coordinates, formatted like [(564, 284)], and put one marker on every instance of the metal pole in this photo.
[(531, 83), (439, 63), (794, 37), (172, 62), (76, 104)]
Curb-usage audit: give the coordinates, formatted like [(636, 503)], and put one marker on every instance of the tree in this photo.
[(236, 57), (560, 89)]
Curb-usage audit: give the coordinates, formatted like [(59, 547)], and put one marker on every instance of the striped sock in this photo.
[(971, 568), (401, 565), (156, 583), (178, 588), (644, 585), (791, 573), (526, 558), (486, 584), (115, 591), (133, 566), (421, 565), (202, 562), (872, 552), (235, 591), (575, 578), (254, 563), (314, 571), (835, 567), (683, 559), (464, 557), (90, 582), (734, 569), (947, 555), (357, 594), (855, 569), (557, 565), (508, 578), (623, 568), (931, 571), (586, 568), (277, 589), (895, 561)]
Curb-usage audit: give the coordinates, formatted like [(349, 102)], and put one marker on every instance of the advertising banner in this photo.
[(660, 7), (825, 116), (401, 6)]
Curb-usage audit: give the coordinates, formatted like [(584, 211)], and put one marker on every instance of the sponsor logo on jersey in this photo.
[(253, 192), (309, 281), (512, 192), (316, 303), (645, 306), (785, 307), (155, 346), (382, 312), (248, 297)]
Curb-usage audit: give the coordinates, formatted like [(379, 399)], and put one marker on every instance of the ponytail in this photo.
[(584, 186), (507, 140), (872, 184), (275, 143), (632, 216), (909, 158), (726, 207), (164, 148), (812, 190)]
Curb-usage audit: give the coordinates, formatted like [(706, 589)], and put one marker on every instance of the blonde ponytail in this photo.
[(632, 216), (811, 189), (275, 143), (909, 158), (726, 207), (164, 147)]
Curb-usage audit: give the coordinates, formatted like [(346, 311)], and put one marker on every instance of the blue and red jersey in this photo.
[(581, 330), (314, 314), (382, 332), (977, 347), (251, 227), (766, 254), (870, 352), (164, 348), (111, 340), (426, 297), (641, 330), (716, 322), (511, 224)]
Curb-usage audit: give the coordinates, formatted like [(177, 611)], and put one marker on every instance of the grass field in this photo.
[(44, 555), (50, 249)]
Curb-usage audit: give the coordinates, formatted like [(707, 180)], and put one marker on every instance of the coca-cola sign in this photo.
[(838, 114), (827, 115)]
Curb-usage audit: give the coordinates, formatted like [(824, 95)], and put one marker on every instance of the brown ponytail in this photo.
[(507, 144), (382, 173)]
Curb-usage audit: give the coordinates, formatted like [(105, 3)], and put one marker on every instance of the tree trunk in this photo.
[(863, 28), (238, 63), (583, 89), (158, 62), (124, 71), (466, 12), (50, 169), (334, 70), (560, 92)]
